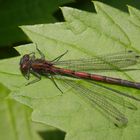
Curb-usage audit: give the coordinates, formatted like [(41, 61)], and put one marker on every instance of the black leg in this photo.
[(52, 79), (59, 57), (41, 54), (38, 78)]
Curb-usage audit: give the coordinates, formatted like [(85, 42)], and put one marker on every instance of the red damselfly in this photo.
[(77, 69)]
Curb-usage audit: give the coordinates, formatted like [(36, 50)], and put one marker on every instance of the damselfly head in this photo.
[(25, 66)]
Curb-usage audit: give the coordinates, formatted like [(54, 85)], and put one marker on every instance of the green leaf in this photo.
[(83, 34), (15, 119)]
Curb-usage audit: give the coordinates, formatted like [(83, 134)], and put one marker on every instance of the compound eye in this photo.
[(25, 66), (24, 59)]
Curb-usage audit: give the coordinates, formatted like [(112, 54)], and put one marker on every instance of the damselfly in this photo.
[(77, 69)]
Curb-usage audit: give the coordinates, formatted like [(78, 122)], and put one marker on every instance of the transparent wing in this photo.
[(98, 97), (115, 61)]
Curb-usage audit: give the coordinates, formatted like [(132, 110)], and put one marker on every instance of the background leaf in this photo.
[(15, 116), (15, 120)]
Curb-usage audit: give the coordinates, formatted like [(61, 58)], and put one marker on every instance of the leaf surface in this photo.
[(83, 34)]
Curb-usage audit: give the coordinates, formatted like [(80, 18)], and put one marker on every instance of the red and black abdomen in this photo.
[(95, 77)]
